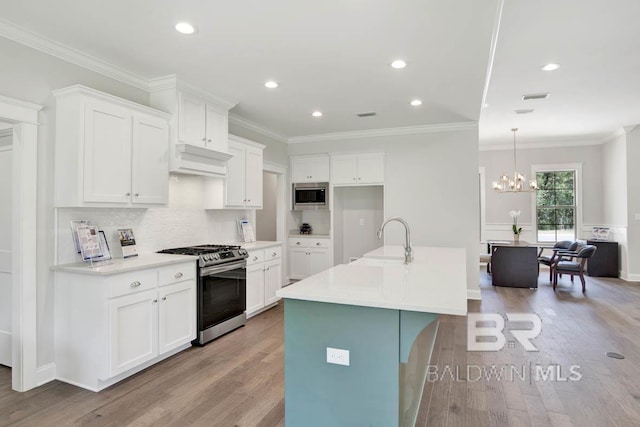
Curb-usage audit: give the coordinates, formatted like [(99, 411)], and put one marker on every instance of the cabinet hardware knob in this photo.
[(155, 300), (135, 284), (255, 258), (204, 139), (297, 243), (359, 178), (268, 268), (208, 140), (178, 275), (128, 194), (164, 298), (274, 254), (137, 194), (318, 244), (354, 179), (248, 200)]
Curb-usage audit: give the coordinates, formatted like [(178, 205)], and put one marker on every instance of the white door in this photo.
[(191, 121), (318, 260), (253, 191), (107, 154), (177, 315), (6, 192), (133, 330), (370, 168), (255, 288), (236, 177), (298, 263), (150, 160), (272, 281), (343, 169)]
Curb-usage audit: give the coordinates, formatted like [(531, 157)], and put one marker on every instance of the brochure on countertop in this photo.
[(248, 234), (128, 242)]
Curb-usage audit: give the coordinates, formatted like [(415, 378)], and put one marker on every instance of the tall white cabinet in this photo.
[(245, 174), (109, 151)]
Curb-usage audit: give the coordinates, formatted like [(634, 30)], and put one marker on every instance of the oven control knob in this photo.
[(207, 257), (215, 256)]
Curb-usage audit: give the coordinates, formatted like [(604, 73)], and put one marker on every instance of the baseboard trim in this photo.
[(633, 278), (474, 294), (45, 374)]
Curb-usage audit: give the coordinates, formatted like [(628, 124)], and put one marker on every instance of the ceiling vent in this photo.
[(527, 111), (367, 114), (534, 96)]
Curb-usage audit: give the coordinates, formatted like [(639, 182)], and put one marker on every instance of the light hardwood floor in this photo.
[(237, 380)]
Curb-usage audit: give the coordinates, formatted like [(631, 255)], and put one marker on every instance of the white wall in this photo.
[(6, 191), (266, 217), (431, 181), (498, 205), (633, 203)]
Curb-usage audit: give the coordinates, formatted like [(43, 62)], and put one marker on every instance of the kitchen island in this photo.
[(359, 337)]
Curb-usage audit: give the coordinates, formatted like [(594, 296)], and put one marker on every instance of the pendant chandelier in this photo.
[(516, 182)]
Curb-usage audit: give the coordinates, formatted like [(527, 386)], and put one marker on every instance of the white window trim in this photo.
[(483, 191), (577, 168)]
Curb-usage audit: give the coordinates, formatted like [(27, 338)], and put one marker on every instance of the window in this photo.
[(556, 207)]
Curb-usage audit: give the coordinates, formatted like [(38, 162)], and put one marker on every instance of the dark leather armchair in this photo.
[(573, 268), (549, 260)]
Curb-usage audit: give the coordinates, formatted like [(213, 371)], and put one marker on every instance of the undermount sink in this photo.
[(378, 262)]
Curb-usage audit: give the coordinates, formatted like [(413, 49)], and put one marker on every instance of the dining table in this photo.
[(514, 263)]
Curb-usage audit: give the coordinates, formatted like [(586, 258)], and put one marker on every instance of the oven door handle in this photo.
[(207, 271)]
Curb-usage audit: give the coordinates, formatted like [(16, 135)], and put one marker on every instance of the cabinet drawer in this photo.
[(273, 253), (298, 243), (176, 273), (123, 284), (318, 243), (255, 257)]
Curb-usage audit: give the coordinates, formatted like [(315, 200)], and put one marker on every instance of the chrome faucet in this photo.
[(408, 256)]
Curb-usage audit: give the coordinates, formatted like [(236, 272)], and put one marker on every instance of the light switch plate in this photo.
[(361, 221), (337, 356)]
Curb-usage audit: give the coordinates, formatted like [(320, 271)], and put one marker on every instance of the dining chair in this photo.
[(548, 260), (573, 268)]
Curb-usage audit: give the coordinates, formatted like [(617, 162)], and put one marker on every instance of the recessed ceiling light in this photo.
[(317, 114), (535, 96), (185, 28), (524, 111), (398, 63), (550, 67), (271, 84), (416, 102)]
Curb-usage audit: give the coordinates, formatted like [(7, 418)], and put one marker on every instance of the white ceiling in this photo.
[(334, 56)]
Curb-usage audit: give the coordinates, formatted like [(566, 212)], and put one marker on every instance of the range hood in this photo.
[(193, 159)]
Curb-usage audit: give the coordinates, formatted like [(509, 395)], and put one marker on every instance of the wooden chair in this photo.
[(573, 267), (549, 260)]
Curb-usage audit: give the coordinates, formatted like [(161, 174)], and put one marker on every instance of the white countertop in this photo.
[(319, 236), (258, 245), (435, 282), (122, 265)]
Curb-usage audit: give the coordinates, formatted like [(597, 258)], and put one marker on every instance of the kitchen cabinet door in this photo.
[(318, 260), (177, 315), (236, 177), (254, 176), (344, 169), (133, 331), (255, 288), (371, 168), (192, 121), (272, 281), (107, 153), (310, 169), (300, 170), (150, 160), (217, 128), (298, 263)]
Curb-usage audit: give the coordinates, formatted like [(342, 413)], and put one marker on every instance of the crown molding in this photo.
[(542, 144), (6, 132), (407, 130), (39, 42), (248, 124), (615, 134), (173, 82)]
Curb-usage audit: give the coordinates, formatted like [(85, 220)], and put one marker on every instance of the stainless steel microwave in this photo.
[(310, 196)]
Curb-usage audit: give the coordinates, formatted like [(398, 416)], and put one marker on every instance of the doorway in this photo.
[(266, 218), (6, 214)]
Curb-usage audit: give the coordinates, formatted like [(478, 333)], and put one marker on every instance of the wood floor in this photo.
[(237, 380)]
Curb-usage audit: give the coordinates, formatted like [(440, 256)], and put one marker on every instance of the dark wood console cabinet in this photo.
[(604, 263)]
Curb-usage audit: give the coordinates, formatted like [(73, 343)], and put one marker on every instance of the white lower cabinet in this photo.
[(111, 326), (308, 256), (264, 278)]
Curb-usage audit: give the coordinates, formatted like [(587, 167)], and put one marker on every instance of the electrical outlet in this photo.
[(361, 221), (337, 356)]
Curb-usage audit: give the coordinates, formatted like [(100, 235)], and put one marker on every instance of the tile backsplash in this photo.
[(184, 222)]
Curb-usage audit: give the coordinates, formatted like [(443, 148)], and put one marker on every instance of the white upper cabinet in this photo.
[(310, 169), (109, 151), (357, 169), (199, 127), (243, 185)]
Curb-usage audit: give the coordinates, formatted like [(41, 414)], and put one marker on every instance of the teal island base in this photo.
[(389, 352)]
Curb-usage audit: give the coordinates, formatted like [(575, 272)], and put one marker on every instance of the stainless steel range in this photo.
[(222, 288)]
